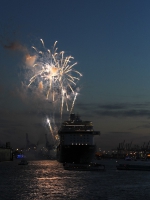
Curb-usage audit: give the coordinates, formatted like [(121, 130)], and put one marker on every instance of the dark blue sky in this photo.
[(110, 40)]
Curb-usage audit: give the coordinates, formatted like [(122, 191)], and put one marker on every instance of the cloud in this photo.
[(30, 60), (117, 109), (124, 113), (143, 126), (85, 107), (113, 106), (15, 46)]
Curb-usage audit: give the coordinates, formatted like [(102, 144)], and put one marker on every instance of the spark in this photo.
[(55, 75), (50, 126), (53, 129), (73, 102), (42, 42), (48, 122)]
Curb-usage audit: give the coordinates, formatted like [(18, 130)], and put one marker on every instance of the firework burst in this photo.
[(54, 73)]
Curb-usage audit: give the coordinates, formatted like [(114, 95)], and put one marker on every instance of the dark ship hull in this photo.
[(75, 153), (76, 141)]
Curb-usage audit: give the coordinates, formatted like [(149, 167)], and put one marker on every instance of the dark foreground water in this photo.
[(40, 180)]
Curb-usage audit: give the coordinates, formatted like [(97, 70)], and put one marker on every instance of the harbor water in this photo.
[(46, 179)]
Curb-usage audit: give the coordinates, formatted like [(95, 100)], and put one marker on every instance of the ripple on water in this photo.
[(48, 180)]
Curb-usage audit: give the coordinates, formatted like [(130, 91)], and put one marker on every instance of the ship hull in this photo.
[(75, 153)]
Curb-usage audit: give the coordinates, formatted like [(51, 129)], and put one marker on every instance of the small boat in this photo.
[(128, 159), (84, 167), (133, 167), (23, 162)]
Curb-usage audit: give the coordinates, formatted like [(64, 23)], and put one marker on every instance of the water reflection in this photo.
[(48, 180), (54, 182)]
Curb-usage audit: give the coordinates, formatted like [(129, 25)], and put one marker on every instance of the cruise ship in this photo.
[(76, 141)]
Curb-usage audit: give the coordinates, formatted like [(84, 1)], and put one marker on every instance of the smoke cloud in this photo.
[(30, 60), (15, 46)]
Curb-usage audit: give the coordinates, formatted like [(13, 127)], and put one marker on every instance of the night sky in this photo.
[(109, 39)]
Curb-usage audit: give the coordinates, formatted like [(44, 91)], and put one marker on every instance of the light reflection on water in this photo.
[(48, 180)]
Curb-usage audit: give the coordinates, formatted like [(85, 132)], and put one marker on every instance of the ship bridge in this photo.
[(76, 126), (77, 129)]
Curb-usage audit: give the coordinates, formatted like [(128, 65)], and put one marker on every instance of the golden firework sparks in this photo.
[(54, 73)]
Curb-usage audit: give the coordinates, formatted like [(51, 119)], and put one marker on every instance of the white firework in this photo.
[(54, 74)]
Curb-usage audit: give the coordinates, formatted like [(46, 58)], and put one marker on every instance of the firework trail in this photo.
[(54, 73), (73, 102), (53, 130), (50, 127)]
